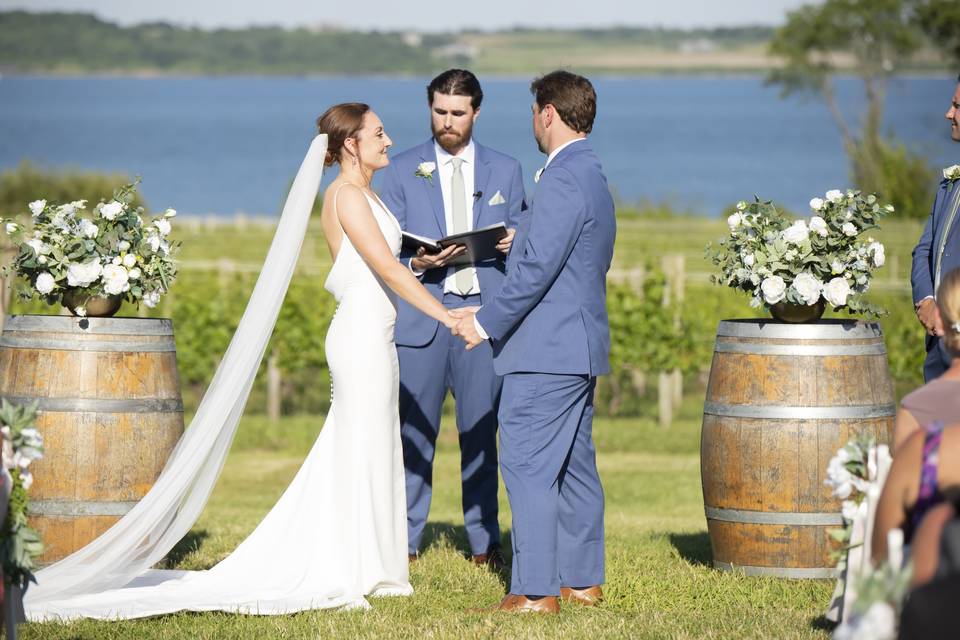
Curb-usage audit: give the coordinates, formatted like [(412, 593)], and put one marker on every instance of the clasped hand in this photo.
[(463, 325), (929, 317)]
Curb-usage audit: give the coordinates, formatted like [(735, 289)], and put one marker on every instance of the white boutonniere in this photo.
[(425, 170), (536, 176), (952, 173)]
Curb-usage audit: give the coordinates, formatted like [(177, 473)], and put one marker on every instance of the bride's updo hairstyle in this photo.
[(948, 300), (339, 122)]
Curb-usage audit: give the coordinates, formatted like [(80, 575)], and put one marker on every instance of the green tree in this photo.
[(940, 20), (873, 39)]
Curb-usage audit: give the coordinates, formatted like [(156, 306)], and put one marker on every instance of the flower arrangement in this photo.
[(849, 474), (20, 545), (111, 252), (802, 262)]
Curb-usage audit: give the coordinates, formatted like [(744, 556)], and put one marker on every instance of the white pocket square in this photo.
[(496, 199)]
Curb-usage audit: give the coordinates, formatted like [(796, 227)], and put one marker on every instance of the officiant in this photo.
[(452, 184)]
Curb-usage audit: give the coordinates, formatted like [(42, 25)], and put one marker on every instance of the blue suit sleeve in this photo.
[(556, 221), (518, 199), (921, 279), (393, 195)]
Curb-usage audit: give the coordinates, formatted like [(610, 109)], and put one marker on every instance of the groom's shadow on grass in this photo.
[(439, 533)]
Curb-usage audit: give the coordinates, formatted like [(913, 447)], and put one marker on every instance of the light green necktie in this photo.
[(463, 278)]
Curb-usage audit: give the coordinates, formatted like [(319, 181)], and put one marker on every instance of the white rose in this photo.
[(134, 273), (151, 298), (170, 213), (879, 257), (837, 291), (952, 172), (837, 267), (42, 259), (26, 479), (37, 207), (84, 274), (154, 242), (78, 204), (741, 205), (796, 233), (115, 279), (12, 227), (819, 226), (426, 167), (749, 259), (774, 289), (816, 204), (848, 229), (111, 210), (734, 221), (88, 229), (807, 287), (67, 209), (834, 195), (129, 261), (123, 246), (38, 246), (163, 225), (45, 283)]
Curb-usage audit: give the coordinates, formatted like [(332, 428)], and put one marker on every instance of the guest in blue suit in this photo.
[(938, 253), (551, 338), (446, 185)]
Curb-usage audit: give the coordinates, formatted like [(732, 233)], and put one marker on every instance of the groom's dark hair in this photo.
[(571, 95), (456, 82)]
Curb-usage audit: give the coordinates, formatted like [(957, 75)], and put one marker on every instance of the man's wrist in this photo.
[(916, 305)]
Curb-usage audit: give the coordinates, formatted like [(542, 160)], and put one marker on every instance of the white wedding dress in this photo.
[(338, 532)]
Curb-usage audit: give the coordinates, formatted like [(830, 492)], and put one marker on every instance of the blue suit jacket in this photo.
[(925, 253), (417, 204), (550, 315)]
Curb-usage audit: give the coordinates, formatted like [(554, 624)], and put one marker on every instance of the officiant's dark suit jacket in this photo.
[(942, 229)]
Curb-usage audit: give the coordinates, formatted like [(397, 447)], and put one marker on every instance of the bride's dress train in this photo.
[(338, 532)]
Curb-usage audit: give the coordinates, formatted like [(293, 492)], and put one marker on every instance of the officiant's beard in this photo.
[(453, 140)]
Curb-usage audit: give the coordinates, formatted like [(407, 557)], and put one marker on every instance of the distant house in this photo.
[(457, 50)]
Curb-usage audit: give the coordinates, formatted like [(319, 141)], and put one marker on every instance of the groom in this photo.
[(446, 185), (551, 338)]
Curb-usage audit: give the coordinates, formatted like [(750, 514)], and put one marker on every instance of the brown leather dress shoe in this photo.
[(587, 597), (523, 604), (492, 559)]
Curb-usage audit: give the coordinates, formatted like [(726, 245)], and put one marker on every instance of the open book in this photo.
[(481, 243)]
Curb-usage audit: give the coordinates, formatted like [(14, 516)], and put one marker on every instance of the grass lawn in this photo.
[(659, 582)]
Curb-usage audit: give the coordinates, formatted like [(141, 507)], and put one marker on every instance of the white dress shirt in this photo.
[(445, 176)]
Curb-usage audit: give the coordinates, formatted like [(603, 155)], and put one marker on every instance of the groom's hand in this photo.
[(466, 327), (506, 241), (424, 260)]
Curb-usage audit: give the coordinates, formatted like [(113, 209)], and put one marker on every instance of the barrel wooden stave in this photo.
[(110, 413), (768, 437)]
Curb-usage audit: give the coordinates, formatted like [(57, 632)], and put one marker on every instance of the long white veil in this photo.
[(149, 531)]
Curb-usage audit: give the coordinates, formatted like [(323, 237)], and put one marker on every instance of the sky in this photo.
[(427, 16)]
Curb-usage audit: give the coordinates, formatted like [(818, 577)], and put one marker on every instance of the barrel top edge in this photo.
[(70, 324), (832, 329)]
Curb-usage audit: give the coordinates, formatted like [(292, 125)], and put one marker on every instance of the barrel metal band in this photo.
[(17, 342), (800, 413), (767, 517), (824, 330), (765, 348), (780, 572), (103, 326), (80, 508), (98, 405)]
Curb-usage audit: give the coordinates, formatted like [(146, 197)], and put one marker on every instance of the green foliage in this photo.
[(81, 42), (887, 166), (20, 545), (27, 183), (940, 20)]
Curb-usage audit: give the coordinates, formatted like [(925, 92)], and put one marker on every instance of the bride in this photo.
[(339, 532)]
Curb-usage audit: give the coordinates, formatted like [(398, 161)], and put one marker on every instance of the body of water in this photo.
[(232, 144)]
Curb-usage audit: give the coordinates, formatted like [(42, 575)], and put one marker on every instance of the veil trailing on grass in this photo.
[(149, 531)]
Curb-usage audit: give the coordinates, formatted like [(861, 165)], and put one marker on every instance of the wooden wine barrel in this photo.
[(781, 400), (109, 411)]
